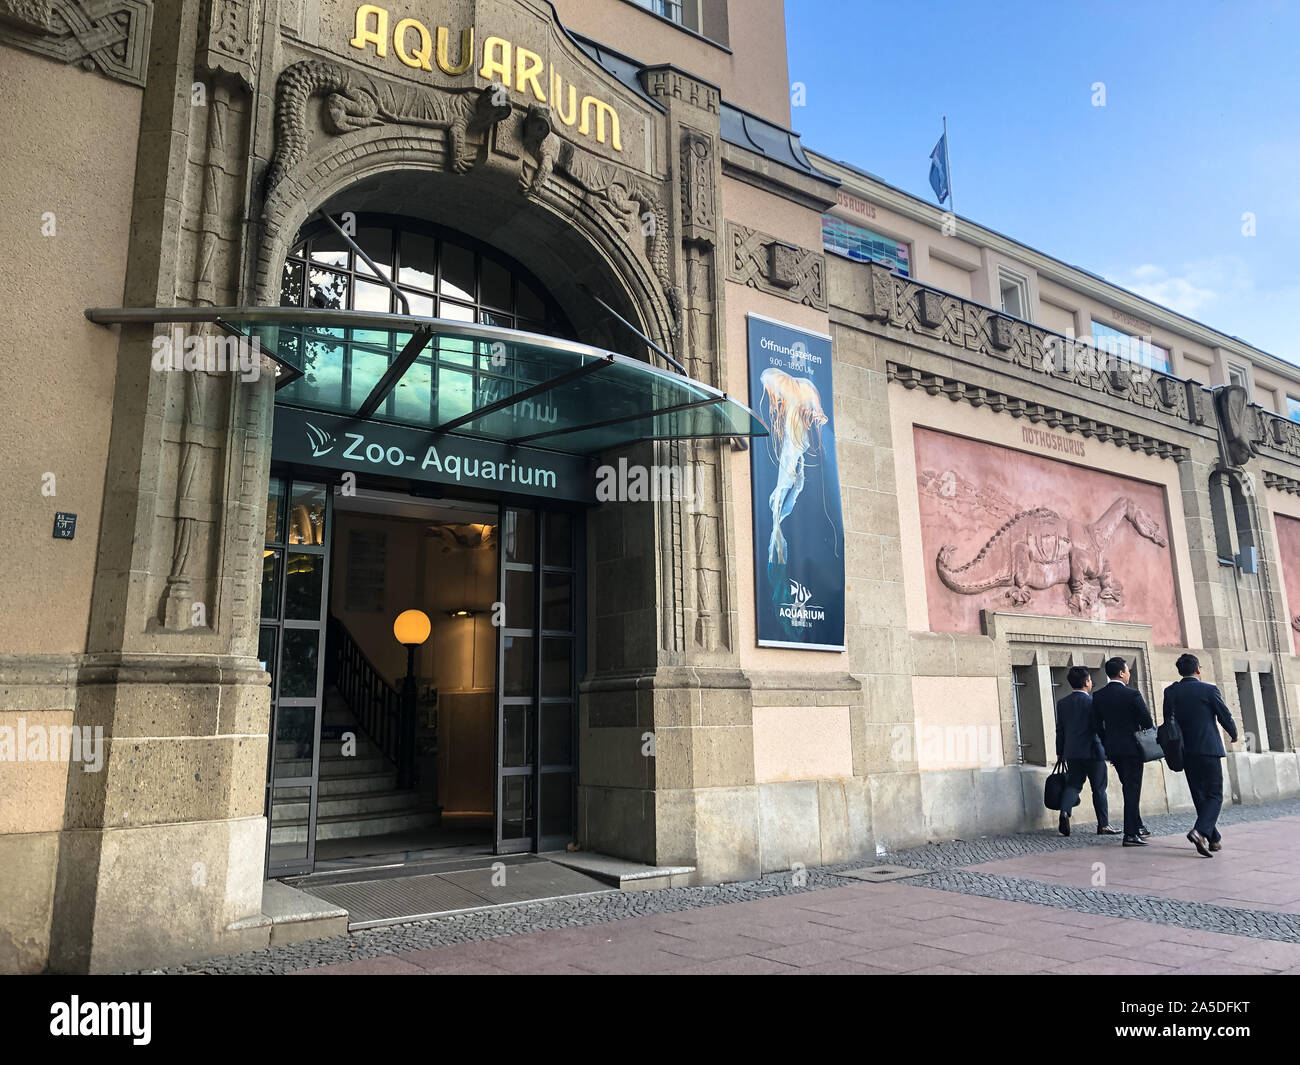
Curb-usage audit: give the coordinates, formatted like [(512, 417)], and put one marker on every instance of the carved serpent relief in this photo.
[(354, 102), (631, 203), (1038, 549)]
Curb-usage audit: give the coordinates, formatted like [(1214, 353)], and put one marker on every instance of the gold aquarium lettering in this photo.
[(515, 67)]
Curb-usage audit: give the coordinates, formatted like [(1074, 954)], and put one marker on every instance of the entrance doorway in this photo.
[(468, 750)]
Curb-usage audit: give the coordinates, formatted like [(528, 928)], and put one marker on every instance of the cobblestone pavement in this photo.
[(1033, 902)]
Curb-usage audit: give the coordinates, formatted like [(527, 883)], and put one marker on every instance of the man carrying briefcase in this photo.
[(1119, 713), (1198, 708), (1078, 745)]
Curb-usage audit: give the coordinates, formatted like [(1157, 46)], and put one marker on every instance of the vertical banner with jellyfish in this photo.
[(798, 524)]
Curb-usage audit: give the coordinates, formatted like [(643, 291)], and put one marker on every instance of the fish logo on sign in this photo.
[(318, 438), (801, 612)]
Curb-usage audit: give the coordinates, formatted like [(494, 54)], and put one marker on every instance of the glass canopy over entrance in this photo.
[(494, 384)]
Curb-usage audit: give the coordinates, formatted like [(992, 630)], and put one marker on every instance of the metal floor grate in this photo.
[(372, 903), (877, 874)]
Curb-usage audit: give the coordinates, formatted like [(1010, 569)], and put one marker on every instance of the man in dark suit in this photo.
[(1197, 706), (1118, 712), (1079, 747)]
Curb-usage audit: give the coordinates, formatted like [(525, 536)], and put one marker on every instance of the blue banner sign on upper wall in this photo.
[(798, 522)]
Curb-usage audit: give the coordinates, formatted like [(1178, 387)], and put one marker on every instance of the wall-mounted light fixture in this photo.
[(462, 613)]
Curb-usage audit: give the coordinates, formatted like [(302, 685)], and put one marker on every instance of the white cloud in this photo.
[(1198, 286), (1223, 293)]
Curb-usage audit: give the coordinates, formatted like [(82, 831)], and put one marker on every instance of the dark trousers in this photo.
[(1093, 770), (1205, 782), (1129, 771)]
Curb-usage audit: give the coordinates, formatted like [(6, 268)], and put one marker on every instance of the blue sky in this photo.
[(1201, 125)]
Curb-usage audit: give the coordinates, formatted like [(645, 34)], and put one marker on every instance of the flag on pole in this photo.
[(939, 169)]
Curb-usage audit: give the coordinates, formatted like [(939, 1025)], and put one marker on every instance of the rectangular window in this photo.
[(1015, 293), (1293, 408), (683, 12), (1123, 345), (864, 246), (1239, 376)]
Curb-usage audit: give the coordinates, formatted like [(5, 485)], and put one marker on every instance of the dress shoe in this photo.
[(1199, 842), (1215, 845), (1063, 824), (1135, 841), (1106, 830), (1144, 831)]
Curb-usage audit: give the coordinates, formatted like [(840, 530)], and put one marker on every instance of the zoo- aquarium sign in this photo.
[(798, 523)]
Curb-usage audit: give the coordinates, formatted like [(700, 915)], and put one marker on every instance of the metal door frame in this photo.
[(535, 841), (298, 866)]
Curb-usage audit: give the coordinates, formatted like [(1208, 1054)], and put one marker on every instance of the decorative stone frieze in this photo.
[(1281, 483), (1276, 433), (231, 38), (770, 265), (668, 81), (905, 304), (699, 224), (999, 401), (110, 37), (356, 101)]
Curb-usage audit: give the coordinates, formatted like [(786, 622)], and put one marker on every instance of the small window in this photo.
[(1240, 377), (1015, 294), (683, 12), (1293, 408)]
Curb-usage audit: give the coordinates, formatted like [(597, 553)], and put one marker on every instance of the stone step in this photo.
[(361, 784), (621, 873), (334, 767), (297, 917), (358, 805), (346, 827), (361, 748)]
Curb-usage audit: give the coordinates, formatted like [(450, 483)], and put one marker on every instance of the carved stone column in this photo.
[(162, 853)]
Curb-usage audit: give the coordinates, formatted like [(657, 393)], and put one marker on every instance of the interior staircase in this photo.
[(358, 794)]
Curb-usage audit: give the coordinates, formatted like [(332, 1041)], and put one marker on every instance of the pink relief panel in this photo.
[(1010, 531), (1288, 546)]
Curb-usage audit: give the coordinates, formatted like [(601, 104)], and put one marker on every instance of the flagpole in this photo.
[(947, 159)]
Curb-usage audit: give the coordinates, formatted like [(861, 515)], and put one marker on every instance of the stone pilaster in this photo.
[(161, 854)]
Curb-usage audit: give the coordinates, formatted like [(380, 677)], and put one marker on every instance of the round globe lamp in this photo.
[(411, 628)]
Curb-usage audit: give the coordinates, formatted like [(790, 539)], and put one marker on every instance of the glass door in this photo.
[(558, 681), (291, 647), (516, 798), (538, 666)]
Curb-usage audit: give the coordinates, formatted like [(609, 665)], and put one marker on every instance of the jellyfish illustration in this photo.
[(795, 414)]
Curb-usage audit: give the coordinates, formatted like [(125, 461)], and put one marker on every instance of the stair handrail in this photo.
[(374, 702)]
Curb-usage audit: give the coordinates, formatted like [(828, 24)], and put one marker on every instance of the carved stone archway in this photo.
[(503, 176)]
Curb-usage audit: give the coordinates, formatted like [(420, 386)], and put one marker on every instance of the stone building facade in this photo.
[(643, 174)]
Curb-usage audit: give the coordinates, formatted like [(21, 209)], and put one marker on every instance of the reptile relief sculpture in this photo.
[(1038, 549)]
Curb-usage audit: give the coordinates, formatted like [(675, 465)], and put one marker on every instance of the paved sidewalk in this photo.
[(1030, 903), (866, 929)]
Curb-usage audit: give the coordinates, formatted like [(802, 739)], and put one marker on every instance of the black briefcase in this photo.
[(1148, 746), (1054, 789), (1170, 737)]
